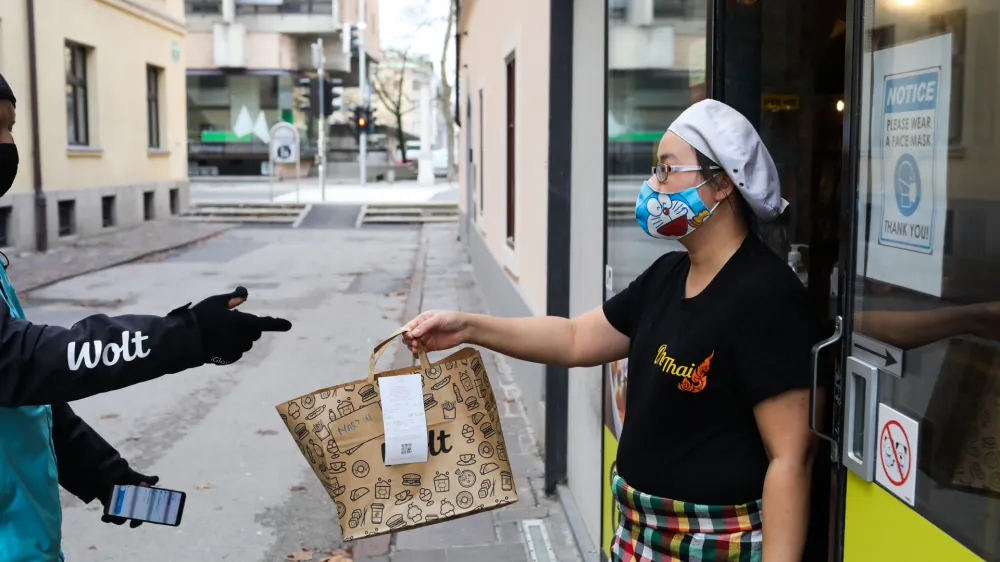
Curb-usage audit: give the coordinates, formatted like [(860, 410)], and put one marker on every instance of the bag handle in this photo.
[(380, 348)]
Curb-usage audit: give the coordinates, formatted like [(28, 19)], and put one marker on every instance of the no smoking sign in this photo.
[(897, 453)]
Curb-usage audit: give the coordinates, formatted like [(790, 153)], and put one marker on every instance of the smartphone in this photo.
[(147, 504)]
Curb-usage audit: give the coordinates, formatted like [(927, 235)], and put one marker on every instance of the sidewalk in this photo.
[(30, 270), (446, 281)]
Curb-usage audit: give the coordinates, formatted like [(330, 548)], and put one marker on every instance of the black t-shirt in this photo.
[(697, 367)]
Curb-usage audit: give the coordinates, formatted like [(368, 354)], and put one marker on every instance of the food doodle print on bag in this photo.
[(340, 432)]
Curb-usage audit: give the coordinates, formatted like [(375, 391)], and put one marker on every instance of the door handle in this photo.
[(838, 332), (860, 418)]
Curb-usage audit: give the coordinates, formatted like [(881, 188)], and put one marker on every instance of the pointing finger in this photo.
[(270, 324)]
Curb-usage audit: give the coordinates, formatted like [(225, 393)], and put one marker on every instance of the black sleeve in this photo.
[(88, 465), (623, 309), (50, 365), (620, 308), (774, 343)]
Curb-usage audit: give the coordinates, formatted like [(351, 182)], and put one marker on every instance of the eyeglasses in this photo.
[(662, 170)]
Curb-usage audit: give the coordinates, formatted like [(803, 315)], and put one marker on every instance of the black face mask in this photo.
[(8, 166)]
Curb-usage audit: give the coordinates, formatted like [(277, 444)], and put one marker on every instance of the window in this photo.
[(109, 215), (202, 6), (511, 90), (77, 130), (950, 380), (153, 105), (686, 9), (67, 218), (5, 214), (287, 7), (175, 201), (149, 205)]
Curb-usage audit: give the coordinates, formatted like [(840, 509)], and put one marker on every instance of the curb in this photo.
[(29, 288)]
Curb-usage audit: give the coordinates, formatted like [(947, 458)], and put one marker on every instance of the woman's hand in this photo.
[(437, 330)]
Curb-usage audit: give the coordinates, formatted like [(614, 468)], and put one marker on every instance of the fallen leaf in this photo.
[(509, 399), (203, 487), (336, 558), (298, 488), (302, 555), (266, 432), (91, 547), (110, 416), (131, 438)]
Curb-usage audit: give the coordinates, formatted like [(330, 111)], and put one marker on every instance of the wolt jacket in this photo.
[(43, 444)]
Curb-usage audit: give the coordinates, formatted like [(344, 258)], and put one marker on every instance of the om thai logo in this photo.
[(695, 378)]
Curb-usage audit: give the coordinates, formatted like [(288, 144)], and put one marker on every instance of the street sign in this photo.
[(284, 149), (284, 144), (884, 356)]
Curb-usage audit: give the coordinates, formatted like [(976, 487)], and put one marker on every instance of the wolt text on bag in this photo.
[(340, 432)]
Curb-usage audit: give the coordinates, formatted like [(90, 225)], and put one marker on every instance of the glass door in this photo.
[(921, 435)]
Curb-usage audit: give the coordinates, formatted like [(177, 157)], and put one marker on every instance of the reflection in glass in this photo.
[(656, 69), (951, 368)]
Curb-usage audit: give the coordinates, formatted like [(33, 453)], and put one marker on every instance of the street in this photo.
[(213, 432)]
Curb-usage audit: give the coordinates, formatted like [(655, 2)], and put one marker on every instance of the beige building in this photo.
[(110, 136), (245, 59)]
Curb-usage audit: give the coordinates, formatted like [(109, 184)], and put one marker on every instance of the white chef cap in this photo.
[(724, 135)]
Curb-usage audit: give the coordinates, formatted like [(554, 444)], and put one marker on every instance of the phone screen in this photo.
[(143, 503)]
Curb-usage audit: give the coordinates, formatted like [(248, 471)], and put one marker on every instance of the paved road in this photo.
[(216, 427), (213, 431)]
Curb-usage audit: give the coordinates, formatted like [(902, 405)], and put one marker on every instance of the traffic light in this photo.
[(308, 95), (333, 95), (370, 118), (362, 120)]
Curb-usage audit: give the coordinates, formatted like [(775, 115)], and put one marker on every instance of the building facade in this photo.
[(110, 121), (881, 116), (244, 63)]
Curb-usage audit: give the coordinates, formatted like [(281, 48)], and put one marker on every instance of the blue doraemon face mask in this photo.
[(671, 216)]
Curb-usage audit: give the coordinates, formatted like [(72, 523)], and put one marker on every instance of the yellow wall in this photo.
[(495, 29), (880, 527), (14, 67), (124, 40)]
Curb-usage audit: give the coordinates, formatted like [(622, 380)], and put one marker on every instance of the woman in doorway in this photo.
[(716, 452)]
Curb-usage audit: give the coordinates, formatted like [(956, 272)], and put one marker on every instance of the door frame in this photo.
[(847, 271)]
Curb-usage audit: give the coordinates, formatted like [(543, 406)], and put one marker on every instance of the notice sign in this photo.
[(897, 453), (909, 164)]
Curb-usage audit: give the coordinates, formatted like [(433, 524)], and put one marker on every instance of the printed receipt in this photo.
[(404, 418)]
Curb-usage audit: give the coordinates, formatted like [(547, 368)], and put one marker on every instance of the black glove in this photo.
[(227, 334), (128, 478)]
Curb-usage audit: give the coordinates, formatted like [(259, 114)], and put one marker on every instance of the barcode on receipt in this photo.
[(406, 448)]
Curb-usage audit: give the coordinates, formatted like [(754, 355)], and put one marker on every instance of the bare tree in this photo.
[(388, 82), (444, 94)]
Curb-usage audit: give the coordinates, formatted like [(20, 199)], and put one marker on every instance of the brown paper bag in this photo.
[(339, 430), (963, 421)]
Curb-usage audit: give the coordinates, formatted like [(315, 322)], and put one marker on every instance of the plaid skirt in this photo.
[(652, 529)]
